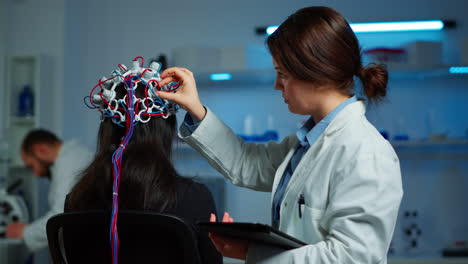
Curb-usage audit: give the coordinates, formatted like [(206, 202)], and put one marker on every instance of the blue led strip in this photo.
[(220, 76), (423, 25), (458, 70)]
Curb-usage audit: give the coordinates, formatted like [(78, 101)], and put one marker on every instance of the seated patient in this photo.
[(148, 179)]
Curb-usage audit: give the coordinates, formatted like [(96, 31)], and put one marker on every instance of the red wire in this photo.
[(146, 96), (104, 100), (142, 60), (108, 104), (171, 90), (158, 87), (137, 104), (91, 93), (143, 72)]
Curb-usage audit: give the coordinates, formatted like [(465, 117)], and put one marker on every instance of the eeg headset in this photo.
[(144, 108)]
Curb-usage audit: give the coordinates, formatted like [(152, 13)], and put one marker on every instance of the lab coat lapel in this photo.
[(308, 161), (280, 171), (300, 174)]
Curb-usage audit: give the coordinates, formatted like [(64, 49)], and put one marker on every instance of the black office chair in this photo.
[(83, 237)]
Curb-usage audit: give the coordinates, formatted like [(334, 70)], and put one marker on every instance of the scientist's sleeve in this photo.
[(359, 220), (35, 235), (244, 164), (66, 171)]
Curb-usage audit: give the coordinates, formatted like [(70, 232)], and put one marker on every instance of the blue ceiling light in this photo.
[(220, 76), (458, 70), (423, 25), (271, 29), (397, 26)]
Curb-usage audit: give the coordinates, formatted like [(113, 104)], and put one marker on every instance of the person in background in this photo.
[(148, 179), (61, 162), (336, 183)]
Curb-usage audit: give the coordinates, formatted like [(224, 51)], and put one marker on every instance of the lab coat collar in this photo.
[(310, 131), (351, 111)]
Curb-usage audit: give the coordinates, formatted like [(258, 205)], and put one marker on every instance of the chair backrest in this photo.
[(83, 237)]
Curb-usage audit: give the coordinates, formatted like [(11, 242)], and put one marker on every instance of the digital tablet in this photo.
[(253, 232)]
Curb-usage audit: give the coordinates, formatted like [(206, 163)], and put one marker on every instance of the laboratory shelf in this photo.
[(23, 121), (427, 143), (397, 71), (443, 149), (456, 149), (238, 77)]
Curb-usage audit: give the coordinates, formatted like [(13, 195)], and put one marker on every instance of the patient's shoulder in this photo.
[(188, 188), (194, 200)]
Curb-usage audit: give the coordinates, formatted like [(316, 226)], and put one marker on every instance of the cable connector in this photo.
[(155, 66), (122, 68), (97, 100), (135, 67), (108, 94), (149, 73), (105, 83)]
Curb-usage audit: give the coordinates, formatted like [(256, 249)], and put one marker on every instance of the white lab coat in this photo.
[(350, 179), (65, 172)]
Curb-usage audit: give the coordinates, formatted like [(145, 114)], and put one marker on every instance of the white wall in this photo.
[(3, 22), (36, 28)]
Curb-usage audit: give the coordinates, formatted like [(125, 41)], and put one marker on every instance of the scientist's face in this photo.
[(40, 168), (297, 94)]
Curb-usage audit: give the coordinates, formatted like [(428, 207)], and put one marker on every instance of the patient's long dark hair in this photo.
[(148, 178)]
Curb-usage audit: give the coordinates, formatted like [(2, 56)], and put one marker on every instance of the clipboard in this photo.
[(253, 232)]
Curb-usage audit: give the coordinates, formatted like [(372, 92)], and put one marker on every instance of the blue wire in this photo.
[(154, 113), (160, 104), (86, 103), (117, 123), (107, 113), (123, 105)]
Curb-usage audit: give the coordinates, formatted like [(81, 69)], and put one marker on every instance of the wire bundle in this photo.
[(117, 170)]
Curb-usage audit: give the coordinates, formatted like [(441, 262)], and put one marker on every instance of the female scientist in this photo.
[(336, 183)]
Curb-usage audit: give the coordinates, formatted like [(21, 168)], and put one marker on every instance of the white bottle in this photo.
[(248, 125)]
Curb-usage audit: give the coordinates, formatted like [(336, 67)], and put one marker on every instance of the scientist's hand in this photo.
[(231, 248), (186, 95), (15, 230)]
